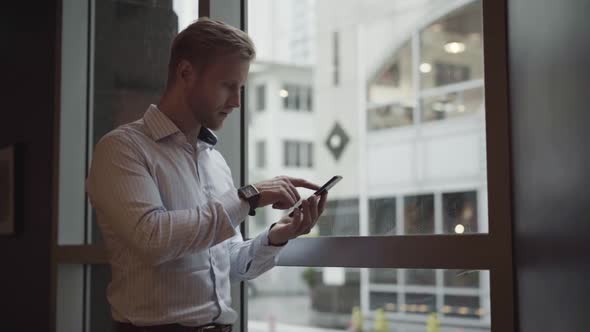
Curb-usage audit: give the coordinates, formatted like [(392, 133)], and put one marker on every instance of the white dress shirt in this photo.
[(169, 214)]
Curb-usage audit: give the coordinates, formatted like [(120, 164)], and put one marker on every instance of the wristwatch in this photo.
[(251, 195)]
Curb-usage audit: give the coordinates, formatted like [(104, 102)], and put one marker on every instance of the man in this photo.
[(165, 201)]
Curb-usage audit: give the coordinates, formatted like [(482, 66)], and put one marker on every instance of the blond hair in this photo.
[(204, 40)]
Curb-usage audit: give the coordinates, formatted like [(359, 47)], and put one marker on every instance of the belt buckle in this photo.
[(209, 327)]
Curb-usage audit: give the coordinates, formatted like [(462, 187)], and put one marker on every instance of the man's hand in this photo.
[(301, 222), (281, 191)]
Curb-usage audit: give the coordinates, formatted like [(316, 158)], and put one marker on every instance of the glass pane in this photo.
[(260, 97), (261, 154), (420, 277), (419, 303), (419, 214), (452, 47), (384, 300), (397, 93), (131, 49), (383, 276), (462, 306), (81, 298), (391, 94), (100, 318), (382, 216), (452, 105), (462, 278), (460, 212), (343, 299), (339, 218), (73, 122), (69, 315)]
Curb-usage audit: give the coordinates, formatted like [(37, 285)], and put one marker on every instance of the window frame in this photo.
[(490, 251)]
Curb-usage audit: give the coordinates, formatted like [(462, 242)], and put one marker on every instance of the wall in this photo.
[(28, 105), (549, 52)]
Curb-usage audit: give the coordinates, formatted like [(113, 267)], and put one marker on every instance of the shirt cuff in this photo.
[(263, 245), (236, 208)]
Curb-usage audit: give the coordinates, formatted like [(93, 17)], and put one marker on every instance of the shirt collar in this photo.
[(161, 126)]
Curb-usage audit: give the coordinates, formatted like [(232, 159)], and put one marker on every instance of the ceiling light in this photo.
[(454, 47), (284, 93), (425, 67)]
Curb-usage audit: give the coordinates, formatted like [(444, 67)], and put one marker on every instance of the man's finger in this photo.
[(310, 219), (297, 221), (302, 183), (292, 190), (313, 207), (287, 196), (322, 203), (306, 217)]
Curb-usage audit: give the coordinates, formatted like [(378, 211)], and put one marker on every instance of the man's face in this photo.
[(214, 91)]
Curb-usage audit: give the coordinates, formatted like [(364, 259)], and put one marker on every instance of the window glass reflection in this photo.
[(452, 48), (419, 214), (343, 299)]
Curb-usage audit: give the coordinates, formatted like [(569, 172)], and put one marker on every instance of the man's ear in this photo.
[(185, 71)]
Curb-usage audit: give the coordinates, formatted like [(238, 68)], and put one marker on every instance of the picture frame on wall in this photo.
[(7, 190)]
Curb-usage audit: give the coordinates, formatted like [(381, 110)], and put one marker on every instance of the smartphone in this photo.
[(327, 186)]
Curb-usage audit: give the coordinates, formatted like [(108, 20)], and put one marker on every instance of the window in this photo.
[(291, 153), (335, 58), (296, 97), (328, 298), (420, 277), (391, 97), (309, 155), (298, 154), (452, 104), (260, 97), (460, 212), (451, 65), (113, 65), (446, 81), (398, 98), (452, 48), (399, 148), (261, 154), (419, 214), (382, 216), (384, 276), (339, 218)]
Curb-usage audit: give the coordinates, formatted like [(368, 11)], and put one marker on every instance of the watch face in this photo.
[(250, 191)]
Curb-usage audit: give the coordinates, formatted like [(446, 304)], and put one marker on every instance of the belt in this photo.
[(127, 327)]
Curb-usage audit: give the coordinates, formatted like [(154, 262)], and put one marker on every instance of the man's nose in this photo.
[(235, 99)]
